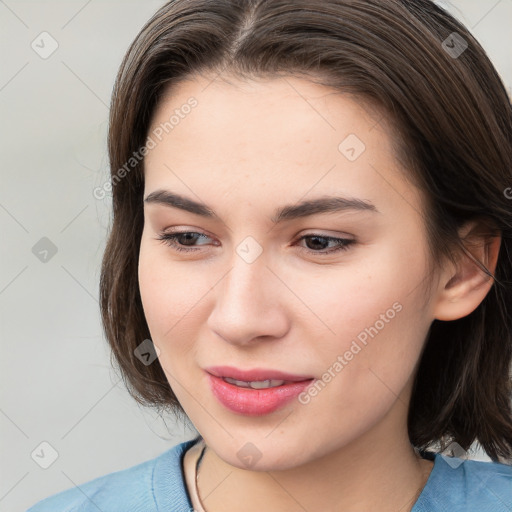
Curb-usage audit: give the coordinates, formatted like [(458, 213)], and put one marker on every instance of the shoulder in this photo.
[(152, 485), (457, 484)]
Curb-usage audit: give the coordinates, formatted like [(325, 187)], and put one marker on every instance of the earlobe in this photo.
[(462, 289)]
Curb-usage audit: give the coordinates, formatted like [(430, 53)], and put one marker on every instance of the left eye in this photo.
[(171, 239), (175, 240)]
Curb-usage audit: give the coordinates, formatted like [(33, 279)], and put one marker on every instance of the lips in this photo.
[(255, 374), (255, 402)]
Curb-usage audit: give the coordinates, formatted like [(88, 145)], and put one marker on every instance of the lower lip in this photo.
[(255, 402)]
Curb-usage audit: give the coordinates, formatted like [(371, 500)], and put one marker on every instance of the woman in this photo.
[(310, 259)]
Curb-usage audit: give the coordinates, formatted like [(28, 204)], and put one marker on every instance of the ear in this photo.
[(463, 288)]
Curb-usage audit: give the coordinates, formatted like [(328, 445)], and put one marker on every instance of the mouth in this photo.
[(257, 378), (256, 384), (253, 395)]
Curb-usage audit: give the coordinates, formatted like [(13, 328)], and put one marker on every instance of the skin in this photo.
[(246, 149)]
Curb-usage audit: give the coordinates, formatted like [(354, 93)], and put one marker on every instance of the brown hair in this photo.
[(453, 120)]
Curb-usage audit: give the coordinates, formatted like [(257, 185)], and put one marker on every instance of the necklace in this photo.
[(198, 464), (203, 451)]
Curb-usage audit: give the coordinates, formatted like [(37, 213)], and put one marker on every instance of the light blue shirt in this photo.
[(158, 485)]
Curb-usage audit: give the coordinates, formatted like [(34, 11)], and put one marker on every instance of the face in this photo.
[(335, 294)]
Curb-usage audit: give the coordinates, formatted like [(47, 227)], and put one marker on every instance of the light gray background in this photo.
[(57, 385)]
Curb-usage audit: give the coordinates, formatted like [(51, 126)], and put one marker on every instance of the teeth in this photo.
[(255, 384)]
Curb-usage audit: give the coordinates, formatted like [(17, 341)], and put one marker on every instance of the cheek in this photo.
[(374, 324), (171, 296), (378, 290), (172, 302)]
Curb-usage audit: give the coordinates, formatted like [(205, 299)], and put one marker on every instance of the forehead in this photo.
[(259, 112), (269, 134)]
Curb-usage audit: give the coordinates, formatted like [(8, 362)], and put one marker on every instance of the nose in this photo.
[(249, 304)]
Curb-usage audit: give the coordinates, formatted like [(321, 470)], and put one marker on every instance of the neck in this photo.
[(370, 473), (385, 487)]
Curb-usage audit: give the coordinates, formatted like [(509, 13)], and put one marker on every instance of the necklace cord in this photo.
[(198, 465)]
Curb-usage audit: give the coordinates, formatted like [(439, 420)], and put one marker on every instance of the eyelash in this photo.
[(170, 240)]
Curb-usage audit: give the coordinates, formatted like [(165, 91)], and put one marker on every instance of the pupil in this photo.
[(316, 238), (188, 236)]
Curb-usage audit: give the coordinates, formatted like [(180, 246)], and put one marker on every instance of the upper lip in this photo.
[(255, 374)]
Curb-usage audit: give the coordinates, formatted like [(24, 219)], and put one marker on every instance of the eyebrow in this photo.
[(325, 204)]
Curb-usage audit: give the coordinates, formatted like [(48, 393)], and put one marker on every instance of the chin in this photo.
[(260, 455)]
